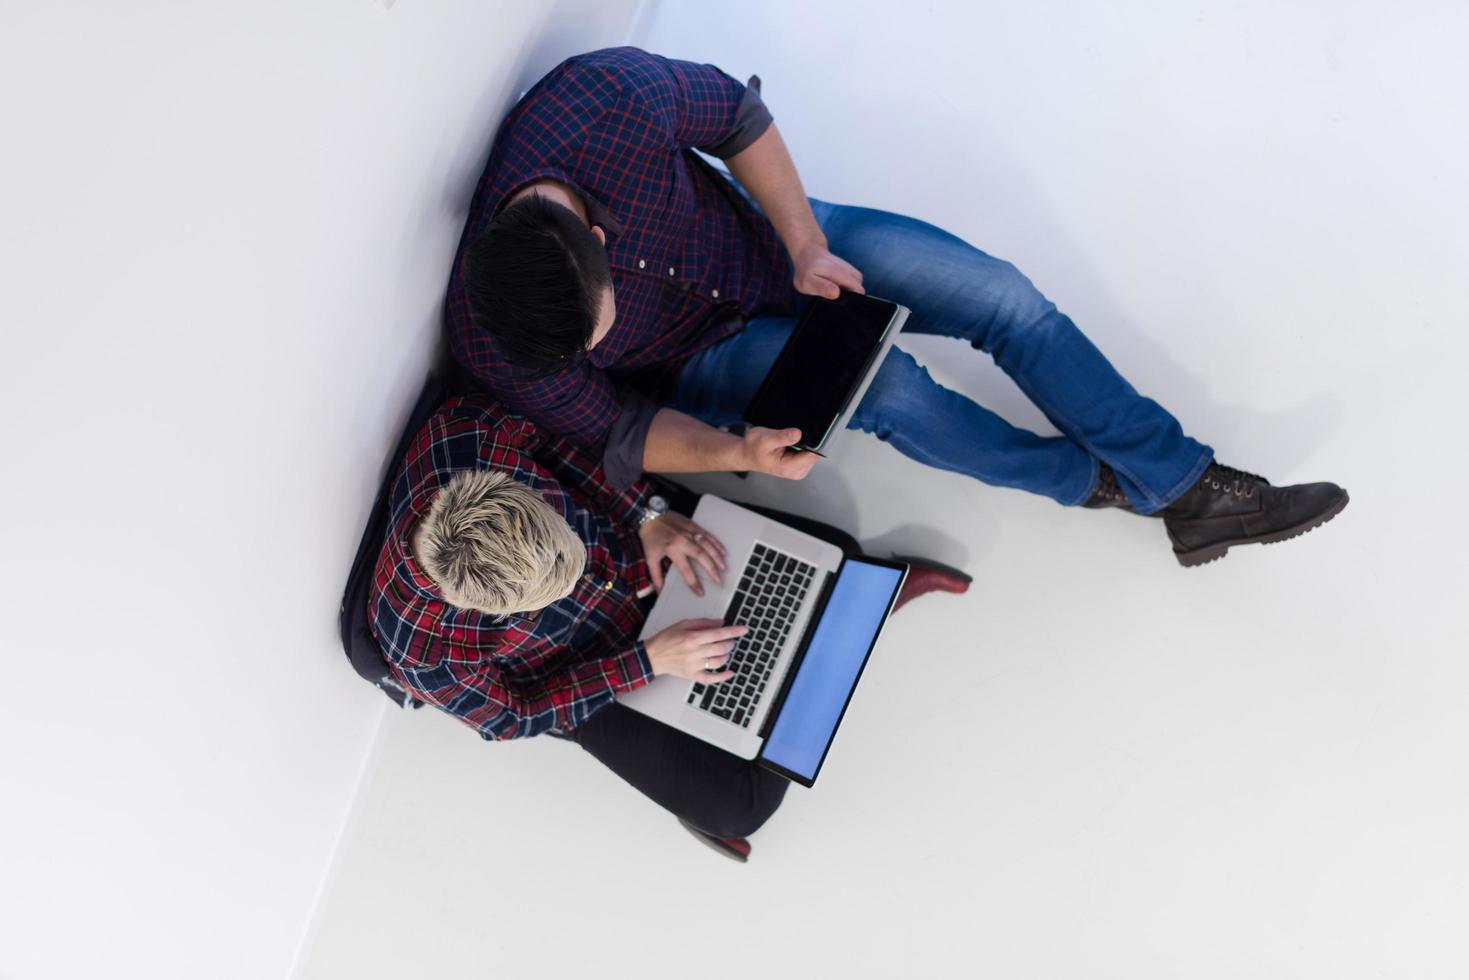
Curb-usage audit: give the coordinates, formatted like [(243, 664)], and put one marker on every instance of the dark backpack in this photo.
[(358, 642)]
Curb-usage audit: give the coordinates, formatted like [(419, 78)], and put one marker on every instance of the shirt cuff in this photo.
[(622, 458), (751, 121), (640, 655)]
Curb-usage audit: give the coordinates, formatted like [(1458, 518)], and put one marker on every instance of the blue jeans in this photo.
[(955, 290)]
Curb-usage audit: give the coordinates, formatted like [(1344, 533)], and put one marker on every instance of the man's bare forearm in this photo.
[(766, 170), (679, 443)]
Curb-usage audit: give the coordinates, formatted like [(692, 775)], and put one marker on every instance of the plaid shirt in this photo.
[(690, 256), (513, 677)]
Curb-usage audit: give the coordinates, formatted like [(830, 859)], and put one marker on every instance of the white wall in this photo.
[(1096, 764), (226, 233)]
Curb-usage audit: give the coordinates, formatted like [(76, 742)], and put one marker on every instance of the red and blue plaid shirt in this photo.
[(690, 256), (512, 677)]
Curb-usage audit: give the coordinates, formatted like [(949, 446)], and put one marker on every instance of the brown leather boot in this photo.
[(1229, 507)]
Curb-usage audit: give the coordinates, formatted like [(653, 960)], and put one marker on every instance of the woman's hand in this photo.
[(681, 541), (692, 648)]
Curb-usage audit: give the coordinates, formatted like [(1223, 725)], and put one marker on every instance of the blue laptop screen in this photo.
[(825, 677)]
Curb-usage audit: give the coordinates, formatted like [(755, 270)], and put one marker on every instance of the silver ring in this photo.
[(707, 668), (697, 536)]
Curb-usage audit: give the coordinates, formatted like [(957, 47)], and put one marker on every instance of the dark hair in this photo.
[(534, 279)]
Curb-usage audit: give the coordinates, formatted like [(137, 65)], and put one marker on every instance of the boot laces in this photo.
[(1227, 479)]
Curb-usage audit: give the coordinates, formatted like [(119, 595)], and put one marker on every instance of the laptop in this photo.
[(825, 367), (814, 616)]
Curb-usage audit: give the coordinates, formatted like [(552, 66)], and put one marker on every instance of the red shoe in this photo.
[(929, 576), (734, 848)]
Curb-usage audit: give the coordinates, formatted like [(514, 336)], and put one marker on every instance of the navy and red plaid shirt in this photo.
[(512, 677), (690, 256)]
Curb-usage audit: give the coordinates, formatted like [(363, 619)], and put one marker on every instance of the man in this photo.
[(615, 287), (510, 592)]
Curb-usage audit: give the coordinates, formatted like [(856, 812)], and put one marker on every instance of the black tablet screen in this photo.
[(821, 364)]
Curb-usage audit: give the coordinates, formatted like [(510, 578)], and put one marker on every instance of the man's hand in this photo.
[(819, 273), (691, 648), (681, 541), (769, 451)]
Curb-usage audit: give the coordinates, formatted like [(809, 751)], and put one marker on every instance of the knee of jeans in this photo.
[(893, 395), (1015, 307)]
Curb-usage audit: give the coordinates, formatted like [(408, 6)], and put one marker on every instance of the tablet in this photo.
[(825, 367)]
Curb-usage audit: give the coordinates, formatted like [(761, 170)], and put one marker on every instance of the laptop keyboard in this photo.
[(771, 590)]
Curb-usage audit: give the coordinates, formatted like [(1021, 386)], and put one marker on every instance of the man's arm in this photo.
[(766, 170), (679, 443), (703, 107)]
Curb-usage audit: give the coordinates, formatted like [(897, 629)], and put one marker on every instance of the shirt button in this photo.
[(607, 586), (671, 270), (715, 294), (642, 264)]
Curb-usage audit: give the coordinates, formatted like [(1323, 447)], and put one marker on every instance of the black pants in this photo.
[(714, 790)]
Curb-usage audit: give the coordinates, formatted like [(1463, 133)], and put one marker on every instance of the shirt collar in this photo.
[(403, 545), (597, 213)]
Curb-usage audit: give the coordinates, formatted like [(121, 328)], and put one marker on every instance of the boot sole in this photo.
[(1202, 556)]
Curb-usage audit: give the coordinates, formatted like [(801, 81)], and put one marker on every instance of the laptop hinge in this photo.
[(812, 622)]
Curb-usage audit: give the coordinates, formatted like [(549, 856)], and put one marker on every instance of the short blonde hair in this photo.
[(492, 544)]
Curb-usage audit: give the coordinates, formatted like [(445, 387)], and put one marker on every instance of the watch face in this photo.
[(657, 503)]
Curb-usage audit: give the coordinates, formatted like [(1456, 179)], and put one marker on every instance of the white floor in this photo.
[(1095, 764)]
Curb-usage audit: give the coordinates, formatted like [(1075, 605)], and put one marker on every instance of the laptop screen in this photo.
[(823, 684)]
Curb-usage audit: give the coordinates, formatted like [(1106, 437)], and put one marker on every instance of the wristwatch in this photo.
[(655, 508)]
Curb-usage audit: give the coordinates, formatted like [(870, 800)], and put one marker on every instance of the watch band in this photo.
[(655, 508)]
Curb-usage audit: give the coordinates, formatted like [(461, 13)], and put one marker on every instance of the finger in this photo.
[(767, 441), (715, 542), (722, 634), (697, 546), (845, 276), (681, 562), (695, 625), (707, 563), (707, 541), (715, 551), (719, 678), (655, 572), (705, 662), (816, 284), (717, 656)]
